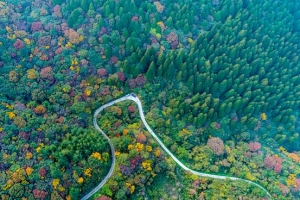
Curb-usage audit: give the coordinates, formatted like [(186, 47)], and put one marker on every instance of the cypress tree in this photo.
[(72, 19), (170, 71), (147, 27), (150, 74), (179, 76), (133, 7), (214, 88), (195, 98), (136, 70), (141, 12), (140, 52), (101, 22), (147, 17), (91, 10), (128, 43), (107, 51), (119, 24), (126, 66), (167, 63), (201, 119), (187, 108), (186, 29), (144, 60), (133, 57), (85, 5), (184, 75), (111, 4), (179, 57), (107, 11), (125, 33), (190, 82), (222, 110), (169, 23), (71, 5), (199, 87), (160, 71), (117, 9), (160, 59)]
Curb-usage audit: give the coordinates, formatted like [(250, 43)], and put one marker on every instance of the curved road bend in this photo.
[(134, 98)]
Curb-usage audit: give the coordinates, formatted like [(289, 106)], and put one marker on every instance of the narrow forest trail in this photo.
[(134, 98)]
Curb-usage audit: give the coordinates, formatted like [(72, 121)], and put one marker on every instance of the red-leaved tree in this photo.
[(216, 144), (273, 162), (254, 146)]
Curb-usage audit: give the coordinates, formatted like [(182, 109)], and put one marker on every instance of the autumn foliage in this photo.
[(40, 109), (273, 162), (217, 145), (254, 146), (46, 73)]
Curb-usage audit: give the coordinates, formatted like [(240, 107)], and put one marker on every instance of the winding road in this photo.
[(134, 98)]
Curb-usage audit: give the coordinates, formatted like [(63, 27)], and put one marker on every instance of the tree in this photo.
[(74, 16), (13, 76), (19, 122), (190, 82), (74, 192), (38, 95), (150, 74), (217, 145), (182, 152), (16, 191), (254, 146), (91, 9), (78, 107), (40, 109), (85, 5), (169, 71), (273, 162)]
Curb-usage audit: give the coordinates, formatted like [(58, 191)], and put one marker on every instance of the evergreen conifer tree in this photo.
[(72, 19), (150, 74), (85, 5), (91, 10)]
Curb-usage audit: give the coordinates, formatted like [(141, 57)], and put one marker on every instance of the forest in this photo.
[(218, 80)]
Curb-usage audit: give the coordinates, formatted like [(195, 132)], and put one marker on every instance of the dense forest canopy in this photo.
[(218, 81)]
